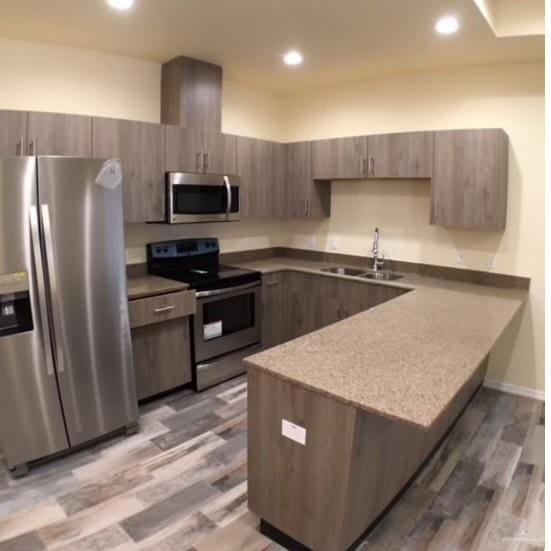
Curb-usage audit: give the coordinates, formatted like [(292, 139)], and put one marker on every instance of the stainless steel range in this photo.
[(227, 325)]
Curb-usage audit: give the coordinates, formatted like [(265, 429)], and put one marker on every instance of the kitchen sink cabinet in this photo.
[(161, 342), (339, 158), (140, 147), (260, 166), (469, 184), (189, 149), (59, 134), (403, 155), (304, 197), (13, 133)]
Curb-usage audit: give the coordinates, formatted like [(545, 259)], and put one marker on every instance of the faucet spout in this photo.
[(377, 262)]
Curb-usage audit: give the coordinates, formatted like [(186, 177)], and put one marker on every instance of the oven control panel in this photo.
[(183, 248)]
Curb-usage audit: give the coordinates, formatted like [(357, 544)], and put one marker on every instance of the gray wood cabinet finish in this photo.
[(304, 197), (339, 158), (469, 184), (404, 155), (162, 356), (196, 150), (140, 147), (13, 133), (273, 308), (191, 94), (260, 166), (59, 134)]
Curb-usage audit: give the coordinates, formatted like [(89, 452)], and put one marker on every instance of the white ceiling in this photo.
[(341, 40)]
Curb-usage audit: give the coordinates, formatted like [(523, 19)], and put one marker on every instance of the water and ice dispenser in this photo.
[(15, 304)]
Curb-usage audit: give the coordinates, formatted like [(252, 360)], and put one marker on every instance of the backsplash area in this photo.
[(233, 236)]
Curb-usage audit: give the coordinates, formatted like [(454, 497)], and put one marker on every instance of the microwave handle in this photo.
[(228, 193)]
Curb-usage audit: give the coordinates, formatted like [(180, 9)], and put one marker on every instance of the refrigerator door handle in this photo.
[(50, 263), (39, 267)]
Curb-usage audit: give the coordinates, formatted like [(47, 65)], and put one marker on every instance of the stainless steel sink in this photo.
[(342, 270), (381, 276)]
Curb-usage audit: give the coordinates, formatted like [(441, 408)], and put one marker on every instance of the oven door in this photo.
[(226, 320), (202, 198)]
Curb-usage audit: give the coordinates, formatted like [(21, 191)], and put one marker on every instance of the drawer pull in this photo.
[(164, 309)]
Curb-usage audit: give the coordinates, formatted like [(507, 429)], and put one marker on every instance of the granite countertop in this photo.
[(406, 358), (149, 286)]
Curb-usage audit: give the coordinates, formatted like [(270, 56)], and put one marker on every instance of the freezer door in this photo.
[(83, 242), (31, 419)]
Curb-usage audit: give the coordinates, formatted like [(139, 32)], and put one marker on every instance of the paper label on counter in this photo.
[(212, 330), (296, 433)]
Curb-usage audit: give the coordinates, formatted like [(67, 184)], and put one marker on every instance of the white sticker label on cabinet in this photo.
[(293, 432), (212, 330), (110, 175)]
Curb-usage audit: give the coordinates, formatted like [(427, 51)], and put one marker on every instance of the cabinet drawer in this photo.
[(152, 310)]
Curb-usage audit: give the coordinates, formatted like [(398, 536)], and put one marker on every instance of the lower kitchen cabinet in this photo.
[(296, 303), (161, 342)]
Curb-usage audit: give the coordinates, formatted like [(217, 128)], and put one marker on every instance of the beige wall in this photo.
[(52, 78), (507, 96)]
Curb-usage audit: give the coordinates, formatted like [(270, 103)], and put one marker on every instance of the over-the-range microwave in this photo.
[(201, 198)]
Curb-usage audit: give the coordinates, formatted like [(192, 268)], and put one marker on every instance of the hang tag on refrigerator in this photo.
[(212, 330), (110, 175)]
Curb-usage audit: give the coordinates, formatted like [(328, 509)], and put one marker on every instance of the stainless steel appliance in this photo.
[(202, 198), (227, 325), (66, 372)]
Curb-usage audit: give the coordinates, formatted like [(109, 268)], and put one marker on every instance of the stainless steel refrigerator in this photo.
[(66, 371)]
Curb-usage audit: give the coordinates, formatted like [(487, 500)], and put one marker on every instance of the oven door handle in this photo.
[(227, 290), (228, 194)]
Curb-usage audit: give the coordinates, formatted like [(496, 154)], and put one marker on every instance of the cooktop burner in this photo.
[(195, 261)]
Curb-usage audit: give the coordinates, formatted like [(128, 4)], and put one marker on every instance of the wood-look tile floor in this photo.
[(181, 483)]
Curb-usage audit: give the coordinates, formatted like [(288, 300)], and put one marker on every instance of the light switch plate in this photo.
[(296, 433)]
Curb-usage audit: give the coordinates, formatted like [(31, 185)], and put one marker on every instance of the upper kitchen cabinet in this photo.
[(339, 158), (198, 150), (405, 155), (191, 94), (305, 198), (13, 133), (260, 166), (59, 134), (469, 184), (140, 147)]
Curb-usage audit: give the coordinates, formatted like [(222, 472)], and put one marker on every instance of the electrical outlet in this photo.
[(334, 243), (460, 258), (312, 241), (492, 263)]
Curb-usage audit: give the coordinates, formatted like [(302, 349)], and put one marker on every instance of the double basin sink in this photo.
[(364, 274)]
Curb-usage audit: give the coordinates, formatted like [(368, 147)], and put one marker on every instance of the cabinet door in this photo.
[(139, 146), (407, 155), (162, 357), (13, 133), (220, 153), (339, 158), (260, 165), (469, 184), (305, 198), (183, 149), (273, 310), (57, 134)]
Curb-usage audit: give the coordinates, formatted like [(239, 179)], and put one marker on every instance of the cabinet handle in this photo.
[(271, 283), (20, 150), (436, 210), (206, 160), (32, 147), (163, 309), (371, 166), (199, 161)]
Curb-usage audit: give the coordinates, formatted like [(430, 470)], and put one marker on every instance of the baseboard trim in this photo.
[(514, 389)]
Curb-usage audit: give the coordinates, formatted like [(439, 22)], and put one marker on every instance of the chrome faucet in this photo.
[(377, 263)]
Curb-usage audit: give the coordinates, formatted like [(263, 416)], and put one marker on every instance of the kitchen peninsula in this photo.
[(341, 418)]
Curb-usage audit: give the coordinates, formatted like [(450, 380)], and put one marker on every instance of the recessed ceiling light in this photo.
[(293, 58), (447, 25), (121, 4)]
